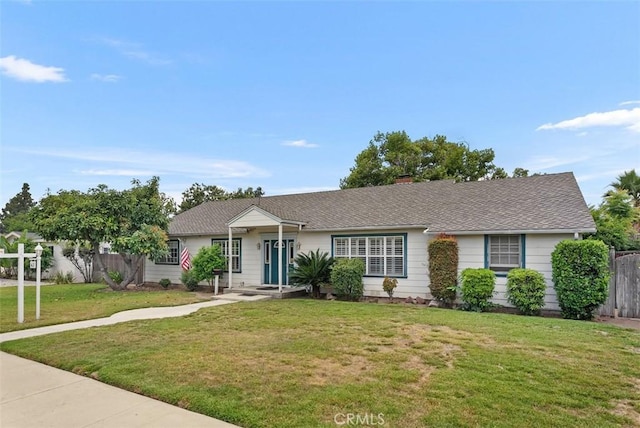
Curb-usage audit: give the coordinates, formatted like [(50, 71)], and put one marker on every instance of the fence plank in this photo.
[(609, 307), (628, 285), (114, 262)]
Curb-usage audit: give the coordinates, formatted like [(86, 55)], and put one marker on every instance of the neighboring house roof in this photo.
[(30, 235), (542, 203)]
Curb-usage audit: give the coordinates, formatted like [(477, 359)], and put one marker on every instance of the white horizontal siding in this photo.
[(470, 254), (417, 280), (538, 257), (538, 249), (254, 219)]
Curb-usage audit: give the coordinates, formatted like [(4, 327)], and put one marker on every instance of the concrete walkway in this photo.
[(37, 395)]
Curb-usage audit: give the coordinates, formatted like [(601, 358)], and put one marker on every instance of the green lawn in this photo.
[(293, 363), (68, 303)]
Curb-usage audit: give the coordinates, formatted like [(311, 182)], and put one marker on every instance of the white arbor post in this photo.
[(20, 283), (21, 255), (38, 267), (230, 261), (280, 245)]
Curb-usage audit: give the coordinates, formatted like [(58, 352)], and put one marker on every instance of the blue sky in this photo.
[(284, 95)]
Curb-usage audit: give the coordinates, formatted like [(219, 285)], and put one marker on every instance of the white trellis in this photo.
[(21, 255)]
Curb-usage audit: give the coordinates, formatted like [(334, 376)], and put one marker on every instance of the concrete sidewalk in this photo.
[(37, 395)]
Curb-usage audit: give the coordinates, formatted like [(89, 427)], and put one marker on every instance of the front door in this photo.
[(272, 262)]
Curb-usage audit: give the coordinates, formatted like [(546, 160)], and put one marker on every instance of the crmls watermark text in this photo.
[(352, 419)]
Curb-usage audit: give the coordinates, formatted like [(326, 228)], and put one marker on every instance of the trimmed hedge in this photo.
[(580, 277), (443, 268), (346, 278), (477, 288), (525, 290)]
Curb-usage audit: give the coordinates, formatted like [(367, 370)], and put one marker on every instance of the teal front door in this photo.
[(273, 263)]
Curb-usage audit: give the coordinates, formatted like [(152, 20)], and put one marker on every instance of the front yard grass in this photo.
[(293, 363), (76, 302)]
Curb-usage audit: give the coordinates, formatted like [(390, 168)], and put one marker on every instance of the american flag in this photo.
[(185, 259)]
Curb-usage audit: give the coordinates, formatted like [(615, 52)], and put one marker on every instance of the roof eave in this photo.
[(516, 231)]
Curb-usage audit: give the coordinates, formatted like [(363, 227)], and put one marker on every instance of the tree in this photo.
[(200, 193), (615, 219), (312, 269), (629, 182), (134, 221), (81, 255), (208, 260), (14, 216), (391, 155), (11, 265)]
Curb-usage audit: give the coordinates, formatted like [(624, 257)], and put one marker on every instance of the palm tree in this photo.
[(629, 182), (311, 269)]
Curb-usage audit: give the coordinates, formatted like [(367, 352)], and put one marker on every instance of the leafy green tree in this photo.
[(81, 255), (11, 265), (208, 260), (200, 193), (311, 269), (629, 182), (615, 221), (520, 172), (134, 221), (393, 154), (14, 216)]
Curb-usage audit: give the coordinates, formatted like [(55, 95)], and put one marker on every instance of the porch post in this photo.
[(230, 261), (280, 244)]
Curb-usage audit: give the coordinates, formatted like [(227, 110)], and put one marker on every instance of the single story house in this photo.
[(499, 224)]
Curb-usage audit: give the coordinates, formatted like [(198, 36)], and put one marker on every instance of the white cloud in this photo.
[(116, 172), (626, 118), (291, 190), (134, 51), (300, 143), (626, 103), (151, 163), (541, 163), (25, 70), (109, 78)]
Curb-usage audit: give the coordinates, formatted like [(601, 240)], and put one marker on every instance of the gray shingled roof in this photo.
[(539, 203)]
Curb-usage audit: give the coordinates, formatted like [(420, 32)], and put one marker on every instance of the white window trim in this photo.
[(367, 257), (224, 243)]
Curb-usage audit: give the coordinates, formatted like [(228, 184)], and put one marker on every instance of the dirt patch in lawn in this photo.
[(628, 408), (419, 350)]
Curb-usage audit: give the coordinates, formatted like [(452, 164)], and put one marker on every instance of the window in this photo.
[(504, 252), (382, 255), (236, 244), (173, 257)]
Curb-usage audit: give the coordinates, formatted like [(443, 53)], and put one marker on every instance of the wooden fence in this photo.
[(114, 262), (624, 287)]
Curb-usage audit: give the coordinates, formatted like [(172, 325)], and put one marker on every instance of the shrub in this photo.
[(389, 285), (477, 289), (443, 268), (346, 278), (189, 279), (206, 261), (115, 276), (525, 290), (580, 277), (63, 278), (311, 269), (165, 283)]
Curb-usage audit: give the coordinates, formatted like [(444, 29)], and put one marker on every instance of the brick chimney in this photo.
[(405, 178)]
